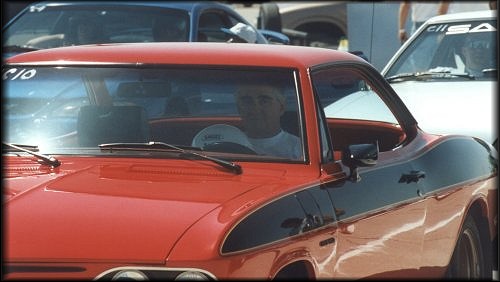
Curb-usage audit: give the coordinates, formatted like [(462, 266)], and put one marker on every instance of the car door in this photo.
[(379, 211)]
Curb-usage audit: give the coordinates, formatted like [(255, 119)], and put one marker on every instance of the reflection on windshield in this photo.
[(458, 48), (70, 107)]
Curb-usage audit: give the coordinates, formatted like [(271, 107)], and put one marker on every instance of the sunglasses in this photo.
[(261, 100)]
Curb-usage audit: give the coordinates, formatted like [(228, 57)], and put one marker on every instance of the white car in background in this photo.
[(429, 73)]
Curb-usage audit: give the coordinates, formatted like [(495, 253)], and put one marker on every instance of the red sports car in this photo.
[(207, 161)]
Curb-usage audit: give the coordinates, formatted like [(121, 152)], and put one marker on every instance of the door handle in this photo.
[(412, 176)]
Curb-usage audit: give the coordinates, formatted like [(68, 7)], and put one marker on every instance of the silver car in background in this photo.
[(446, 74)]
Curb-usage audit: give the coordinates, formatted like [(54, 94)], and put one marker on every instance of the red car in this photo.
[(215, 161)]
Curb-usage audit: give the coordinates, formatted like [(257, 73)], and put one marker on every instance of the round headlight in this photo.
[(191, 275), (134, 275)]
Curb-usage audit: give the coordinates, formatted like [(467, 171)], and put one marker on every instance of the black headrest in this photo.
[(109, 124)]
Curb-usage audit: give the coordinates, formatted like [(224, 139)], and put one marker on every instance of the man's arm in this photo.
[(404, 8), (443, 7)]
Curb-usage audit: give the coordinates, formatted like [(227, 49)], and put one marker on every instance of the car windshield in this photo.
[(54, 26), (456, 48), (77, 108)]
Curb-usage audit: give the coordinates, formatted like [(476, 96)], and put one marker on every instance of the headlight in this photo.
[(146, 273), (191, 275), (135, 275)]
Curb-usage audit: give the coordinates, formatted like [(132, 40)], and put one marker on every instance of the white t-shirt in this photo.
[(420, 12), (282, 144)]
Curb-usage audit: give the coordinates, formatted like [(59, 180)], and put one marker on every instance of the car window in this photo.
[(344, 93), (212, 25), (354, 111), (461, 47), (70, 25), (60, 107), (30, 26), (35, 111)]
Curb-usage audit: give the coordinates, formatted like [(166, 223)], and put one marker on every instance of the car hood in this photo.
[(121, 211), (466, 107)]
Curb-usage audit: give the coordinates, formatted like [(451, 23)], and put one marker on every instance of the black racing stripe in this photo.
[(455, 161), (378, 188), (450, 162)]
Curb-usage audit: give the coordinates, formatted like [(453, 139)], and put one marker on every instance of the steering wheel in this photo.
[(229, 147)]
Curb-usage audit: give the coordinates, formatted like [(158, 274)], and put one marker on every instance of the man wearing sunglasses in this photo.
[(478, 54), (260, 108)]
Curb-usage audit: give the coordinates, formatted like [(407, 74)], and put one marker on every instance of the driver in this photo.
[(478, 54), (261, 107), (169, 29)]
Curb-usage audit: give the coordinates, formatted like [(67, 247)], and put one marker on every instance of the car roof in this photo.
[(201, 53), (183, 5), (475, 15)]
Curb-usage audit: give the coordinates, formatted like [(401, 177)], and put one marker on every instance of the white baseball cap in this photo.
[(243, 31), (220, 133)]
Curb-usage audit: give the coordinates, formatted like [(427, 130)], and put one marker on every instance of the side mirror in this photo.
[(359, 155)]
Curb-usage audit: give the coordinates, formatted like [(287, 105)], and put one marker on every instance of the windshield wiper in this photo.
[(30, 149), (164, 146), (428, 74), (15, 147)]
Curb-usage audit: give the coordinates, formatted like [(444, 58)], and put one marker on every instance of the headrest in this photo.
[(109, 124)]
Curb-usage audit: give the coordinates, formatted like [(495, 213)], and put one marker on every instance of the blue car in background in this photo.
[(55, 24)]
